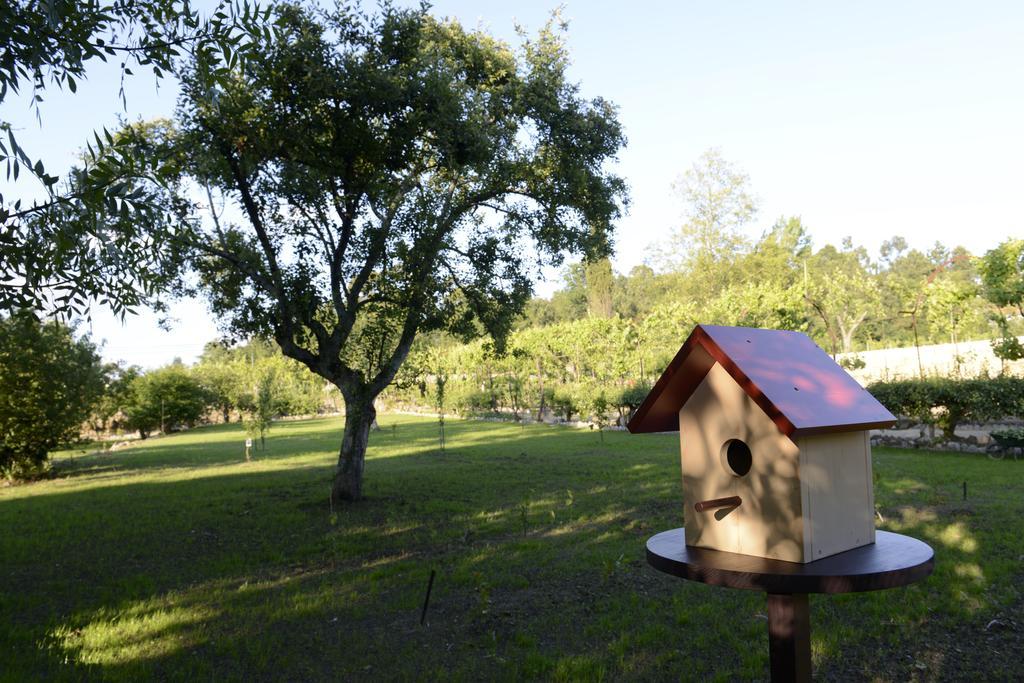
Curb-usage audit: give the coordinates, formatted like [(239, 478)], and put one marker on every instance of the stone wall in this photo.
[(966, 359)]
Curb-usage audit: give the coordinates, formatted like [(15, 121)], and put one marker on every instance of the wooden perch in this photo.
[(729, 502)]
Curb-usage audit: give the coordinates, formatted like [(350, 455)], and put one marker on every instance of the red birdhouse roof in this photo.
[(794, 381)]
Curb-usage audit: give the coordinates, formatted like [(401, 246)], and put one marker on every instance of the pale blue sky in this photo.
[(866, 119)]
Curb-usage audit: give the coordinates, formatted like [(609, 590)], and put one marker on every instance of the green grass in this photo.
[(177, 560)]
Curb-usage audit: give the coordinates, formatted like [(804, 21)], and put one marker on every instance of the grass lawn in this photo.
[(175, 559)]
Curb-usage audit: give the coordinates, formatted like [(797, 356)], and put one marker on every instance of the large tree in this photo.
[(388, 174), (718, 204), (841, 290)]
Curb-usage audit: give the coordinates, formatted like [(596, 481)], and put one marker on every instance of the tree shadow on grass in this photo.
[(219, 445), (538, 547), (147, 578)]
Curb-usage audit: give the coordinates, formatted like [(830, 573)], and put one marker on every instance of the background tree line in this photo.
[(589, 353), (251, 382), (843, 296), (603, 338), (56, 391)]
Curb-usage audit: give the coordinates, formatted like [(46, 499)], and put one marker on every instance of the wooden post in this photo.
[(892, 560), (789, 637)]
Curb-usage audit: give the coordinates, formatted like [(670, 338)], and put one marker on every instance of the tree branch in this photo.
[(253, 212)]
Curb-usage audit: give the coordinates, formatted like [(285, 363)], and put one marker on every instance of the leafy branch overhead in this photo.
[(76, 239), (396, 170)]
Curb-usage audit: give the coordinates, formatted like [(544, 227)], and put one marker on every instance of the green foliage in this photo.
[(842, 293), (252, 380), (842, 297), (952, 298), (1006, 346), (467, 400), (624, 355), (718, 203), (1002, 274), (600, 282), (49, 382), (565, 401), (224, 382), (629, 398), (1009, 437), (108, 411), (167, 399), (233, 376), (558, 370), (105, 232), (262, 407), (596, 405), (949, 402), (853, 362)]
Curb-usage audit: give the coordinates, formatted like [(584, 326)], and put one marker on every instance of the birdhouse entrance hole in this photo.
[(737, 457)]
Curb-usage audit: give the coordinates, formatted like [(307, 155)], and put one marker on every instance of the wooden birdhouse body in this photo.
[(797, 467), (768, 523), (837, 496)]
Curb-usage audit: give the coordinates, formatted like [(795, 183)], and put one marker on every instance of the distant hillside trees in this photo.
[(843, 295), (252, 382), (570, 348)]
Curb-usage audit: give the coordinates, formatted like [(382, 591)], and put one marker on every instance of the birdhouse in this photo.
[(774, 441)]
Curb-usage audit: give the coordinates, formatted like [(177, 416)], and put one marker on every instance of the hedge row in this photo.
[(585, 401), (946, 403)]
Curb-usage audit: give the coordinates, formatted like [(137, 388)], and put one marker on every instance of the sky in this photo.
[(865, 119)]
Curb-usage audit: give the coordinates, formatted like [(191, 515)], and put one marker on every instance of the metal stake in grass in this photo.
[(426, 600)]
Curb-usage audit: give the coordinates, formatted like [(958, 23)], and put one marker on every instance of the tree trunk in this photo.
[(540, 380), (348, 480), (490, 386), (848, 329)]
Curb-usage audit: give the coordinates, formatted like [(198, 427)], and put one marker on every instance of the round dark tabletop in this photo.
[(892, 560)]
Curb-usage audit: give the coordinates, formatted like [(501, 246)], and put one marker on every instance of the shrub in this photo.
[(1009, 435), (565, 402), (466, 399), (947, 402), (168, 398), (629, 398), (853, 362), (49, 382)]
